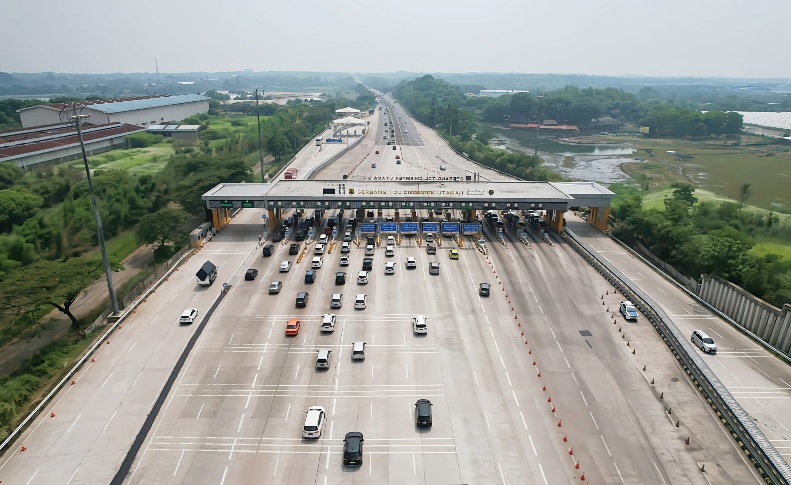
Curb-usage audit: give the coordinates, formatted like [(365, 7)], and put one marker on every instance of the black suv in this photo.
[(293, 249), (353, 448), (340, 278), (368, 264), (250, 274), (423, 413), (278, 236), (269, 250), (302, 299)]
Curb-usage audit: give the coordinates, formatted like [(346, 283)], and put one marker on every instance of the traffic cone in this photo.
[(24, 448), (51, 415)]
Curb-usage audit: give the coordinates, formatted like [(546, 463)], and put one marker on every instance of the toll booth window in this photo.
[(328, 191)]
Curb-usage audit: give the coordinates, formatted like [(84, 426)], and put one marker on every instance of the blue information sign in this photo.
[(368, 227), (430, 227), (388, 227), (470, 228), (450, 227), (409, 227)]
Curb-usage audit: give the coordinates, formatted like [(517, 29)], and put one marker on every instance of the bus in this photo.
[(290, 174)]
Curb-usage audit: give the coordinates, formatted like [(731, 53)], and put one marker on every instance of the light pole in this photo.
[(260, 143), (105, 260), (538, 125)]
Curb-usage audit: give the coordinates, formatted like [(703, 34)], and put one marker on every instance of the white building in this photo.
[(142, 111)]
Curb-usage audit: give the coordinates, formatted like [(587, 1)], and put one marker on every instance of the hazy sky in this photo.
[(723, 38)]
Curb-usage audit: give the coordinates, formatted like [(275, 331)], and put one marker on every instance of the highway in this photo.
[(525, 384)]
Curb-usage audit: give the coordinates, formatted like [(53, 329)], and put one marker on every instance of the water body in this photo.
[(597, 163), (772, 120)]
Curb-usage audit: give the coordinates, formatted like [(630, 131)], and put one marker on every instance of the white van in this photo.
[(359, 302), (358, 351), (314, 422), (389, 251)]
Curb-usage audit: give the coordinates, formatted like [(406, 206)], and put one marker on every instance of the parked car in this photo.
[(423, 416), (250, 274), (484, 289), (275, 287), (188, 316), (302, 299), (292, 327), (285, 266), (628, 310)]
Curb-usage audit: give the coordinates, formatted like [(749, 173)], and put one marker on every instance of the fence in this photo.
[(689, 283)]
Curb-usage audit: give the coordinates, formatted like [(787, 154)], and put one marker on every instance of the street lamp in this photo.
[(105, 260)]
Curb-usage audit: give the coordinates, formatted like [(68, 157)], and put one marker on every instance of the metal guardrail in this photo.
[(739, 423), (318, 168)]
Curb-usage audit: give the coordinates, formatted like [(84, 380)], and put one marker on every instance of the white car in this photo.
[(411, 263), (419, 324), (188, 316), (316, 263), (390, 268), (319, 248), (429, 238), (323, 239), (369, 250), (314, 422), (359, 302), (328, 322), (344, 261), (389, 251), (390, 241), (346, 247), (362, 278), (285, 266), (275, 287)]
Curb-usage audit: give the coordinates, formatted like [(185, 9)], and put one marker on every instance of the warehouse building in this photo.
[(141, 111)]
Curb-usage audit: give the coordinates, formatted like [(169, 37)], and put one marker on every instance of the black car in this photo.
[(368, 264), (353, 448), (302, 299), (423, 413), (370, 241), (485, 289), (278, 236), (251, 274), (299, 235), (340, 278), (310, 276), (269, 250), (293, 249)]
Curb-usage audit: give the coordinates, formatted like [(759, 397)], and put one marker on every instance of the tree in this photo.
[(17, 204), (744, 193), (161, 227)]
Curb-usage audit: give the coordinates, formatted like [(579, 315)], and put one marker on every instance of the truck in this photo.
[(333, 140), (318, 141), (207, 274), (290, 174)]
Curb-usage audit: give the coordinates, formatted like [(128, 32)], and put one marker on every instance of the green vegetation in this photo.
[(711, 237)]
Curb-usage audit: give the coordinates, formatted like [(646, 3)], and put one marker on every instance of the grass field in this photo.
[(762, 248), (139, 161)]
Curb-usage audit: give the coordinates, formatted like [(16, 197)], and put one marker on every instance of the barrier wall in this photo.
[(766, 322)]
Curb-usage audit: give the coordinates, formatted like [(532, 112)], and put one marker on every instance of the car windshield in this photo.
[(708, 340)]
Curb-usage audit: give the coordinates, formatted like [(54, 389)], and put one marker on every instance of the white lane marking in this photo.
[(288, 411), (502, 361), (524, 423), (553, 333), (475, 375), (270, 331), (109, 421), (594, 420), (370, 463), (567, 362), (200, 410), (539, 307), (541, 469), (660, 474), (583, 399), (231, 339), (574, 377), (559, 347), (515, 399), (241, 419), (509, 379), (133, 346), (533, 445), (716, 333), (466, 344), (72, 424), (34, 476), (414, 465), (372, 410), (174, 297), (277, 462), (496, 346), (178, 464), (406, 367), (619, 473), (252, 386), (249, 396), (605, 445), (327, 463), (490, 331), (778, 422), (502, 477), (233, 445), (105, 381), (72, 476), (332, 428), (404, 338), (224, 473), (660, 289), (372, 371), (217, 371), (487, 420), (297, 372), (334, 402)]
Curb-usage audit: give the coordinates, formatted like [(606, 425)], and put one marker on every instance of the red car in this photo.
[(292, 327)]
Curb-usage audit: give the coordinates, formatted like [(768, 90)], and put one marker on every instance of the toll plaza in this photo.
[(403, 198)]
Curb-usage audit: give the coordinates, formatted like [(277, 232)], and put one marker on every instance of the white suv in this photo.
[(328, 322), (419, 324), (314, 422), (359, 302), (411, 263)]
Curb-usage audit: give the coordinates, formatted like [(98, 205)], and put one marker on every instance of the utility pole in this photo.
[(260, 143), (105, 260), (538, 125)]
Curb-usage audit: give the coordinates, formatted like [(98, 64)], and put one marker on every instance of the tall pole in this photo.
[(105, 260), (538, 125), (260, 143)]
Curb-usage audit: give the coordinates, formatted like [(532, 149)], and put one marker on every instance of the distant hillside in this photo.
[(6, 79)]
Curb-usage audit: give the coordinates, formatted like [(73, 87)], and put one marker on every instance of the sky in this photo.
[(700, 38)]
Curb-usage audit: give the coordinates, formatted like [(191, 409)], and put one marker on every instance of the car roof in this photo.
[(293, 320), (353, 434), (360, 295)]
